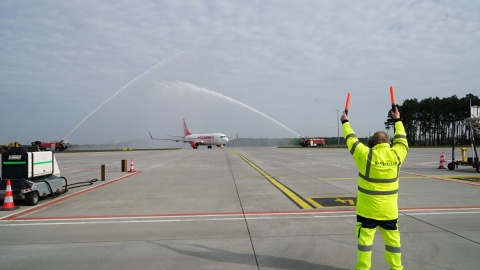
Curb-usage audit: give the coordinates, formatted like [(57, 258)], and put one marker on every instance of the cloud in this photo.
[(292, 60)]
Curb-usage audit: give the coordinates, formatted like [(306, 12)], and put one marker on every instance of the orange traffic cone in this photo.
[(132, 169), (442, 159), (8, 202)]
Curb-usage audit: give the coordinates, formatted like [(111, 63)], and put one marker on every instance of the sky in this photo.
[(109, 71)]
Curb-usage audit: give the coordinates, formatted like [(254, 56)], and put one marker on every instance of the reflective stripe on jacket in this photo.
[(379, 168)]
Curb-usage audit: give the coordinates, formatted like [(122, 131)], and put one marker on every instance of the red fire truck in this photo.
[(312, 142), (52, 146)]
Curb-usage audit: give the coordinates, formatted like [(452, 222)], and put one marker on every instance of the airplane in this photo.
[(195, 140)]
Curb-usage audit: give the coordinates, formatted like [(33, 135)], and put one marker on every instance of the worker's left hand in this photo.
[(395, 113)]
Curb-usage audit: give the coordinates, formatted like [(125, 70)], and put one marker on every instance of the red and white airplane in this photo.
[(195, 140)]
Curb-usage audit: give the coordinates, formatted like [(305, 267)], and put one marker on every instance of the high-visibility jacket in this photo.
[(379, 167)]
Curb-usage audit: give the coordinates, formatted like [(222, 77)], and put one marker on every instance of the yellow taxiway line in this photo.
[(294, 197)]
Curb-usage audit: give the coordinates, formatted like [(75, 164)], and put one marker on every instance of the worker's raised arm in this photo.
[(357, 149), (400, 143)]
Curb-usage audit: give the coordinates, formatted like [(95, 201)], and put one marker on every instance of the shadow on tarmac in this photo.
[(220, 255)]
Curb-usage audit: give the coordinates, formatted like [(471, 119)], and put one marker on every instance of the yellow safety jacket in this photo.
[(379, 168)]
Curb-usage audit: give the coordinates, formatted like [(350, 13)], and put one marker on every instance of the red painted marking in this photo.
[(64, 198), (260, 213), (439, 208), (292, 212)]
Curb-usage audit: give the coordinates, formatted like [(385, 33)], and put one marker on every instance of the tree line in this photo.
[(437, 121)]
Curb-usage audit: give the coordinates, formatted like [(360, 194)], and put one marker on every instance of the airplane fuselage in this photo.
[(217, 139), (195, 140)]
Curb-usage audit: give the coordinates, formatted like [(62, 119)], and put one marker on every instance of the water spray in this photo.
[(121, 90), (207, 91)]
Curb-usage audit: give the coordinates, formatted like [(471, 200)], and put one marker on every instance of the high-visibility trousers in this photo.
[(365, 231)]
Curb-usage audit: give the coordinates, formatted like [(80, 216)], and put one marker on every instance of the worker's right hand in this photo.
[(344, 117)]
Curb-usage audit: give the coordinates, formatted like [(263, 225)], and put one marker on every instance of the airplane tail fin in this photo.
[(186, 132)]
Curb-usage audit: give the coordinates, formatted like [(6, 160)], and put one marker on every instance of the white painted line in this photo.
[(54, 222)]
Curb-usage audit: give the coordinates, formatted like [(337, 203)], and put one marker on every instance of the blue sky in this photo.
[(142, 65)]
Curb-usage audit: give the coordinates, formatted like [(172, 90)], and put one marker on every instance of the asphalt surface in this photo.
[(243, 208)]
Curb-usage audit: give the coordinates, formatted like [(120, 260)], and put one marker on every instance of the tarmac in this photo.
[(238, 208)]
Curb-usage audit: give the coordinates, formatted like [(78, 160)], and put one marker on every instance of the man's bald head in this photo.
[(378, 138)]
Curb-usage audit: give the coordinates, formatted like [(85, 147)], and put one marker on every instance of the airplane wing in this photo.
[(180, 139)]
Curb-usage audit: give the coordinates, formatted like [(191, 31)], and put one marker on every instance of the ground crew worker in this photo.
[(377, 198)]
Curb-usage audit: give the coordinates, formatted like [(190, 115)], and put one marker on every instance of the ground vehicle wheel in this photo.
[(478, 168), (451, 166), (32, 198)]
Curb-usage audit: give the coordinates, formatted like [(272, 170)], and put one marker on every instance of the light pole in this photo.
[(338, 129)]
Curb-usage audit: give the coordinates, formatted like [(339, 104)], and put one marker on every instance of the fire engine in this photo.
[(52, 146), (312, 142)]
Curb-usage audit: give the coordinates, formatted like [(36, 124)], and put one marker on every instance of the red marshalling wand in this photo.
[(392, 97), (347, 105)]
